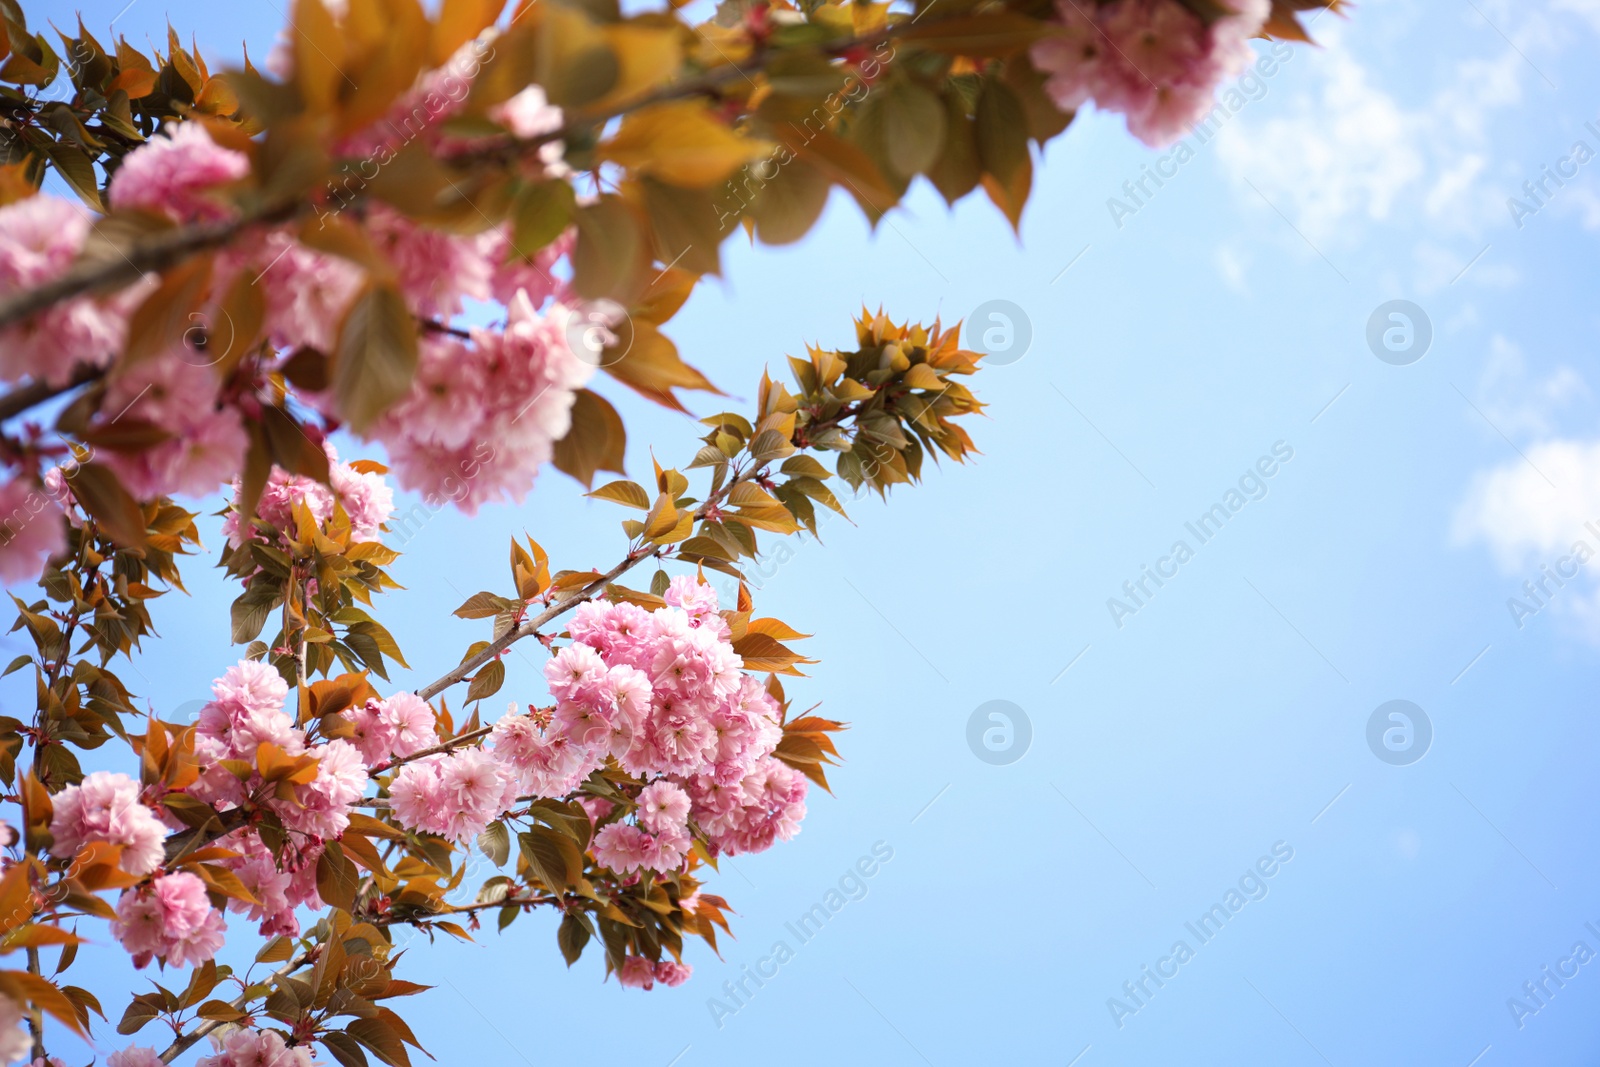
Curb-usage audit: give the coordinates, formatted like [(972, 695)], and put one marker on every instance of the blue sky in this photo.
[(1225, 317)]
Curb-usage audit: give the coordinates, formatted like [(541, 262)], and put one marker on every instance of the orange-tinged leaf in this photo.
[(682, 143)]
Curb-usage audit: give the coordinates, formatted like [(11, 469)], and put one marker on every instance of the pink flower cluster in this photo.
[(105, 806), (365, 497), (135, 1056), (178, 394), (402, 725), (484, 415), (30, 529), (1154, 61), (454, 795), (39, 239), (170, 918), (663, 693), (254, 1048), (247, 711), (638, 972), (178, 174), (15, 1042)]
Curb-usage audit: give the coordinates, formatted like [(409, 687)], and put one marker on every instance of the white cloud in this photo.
[(1521, 407), (1346, 149), (1541, 534), (1588, 10), (1519, 516)]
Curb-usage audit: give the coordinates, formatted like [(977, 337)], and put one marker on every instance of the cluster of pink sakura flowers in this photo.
[(483, 412), (365, 497), (238, 1048), (661, 691), (1154, 61), (664, 694)]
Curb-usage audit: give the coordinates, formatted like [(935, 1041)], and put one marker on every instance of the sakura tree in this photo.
[(427, 234)]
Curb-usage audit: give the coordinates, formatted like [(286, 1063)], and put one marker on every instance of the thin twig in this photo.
[(184, 1041), (26, 396), (163, 250)]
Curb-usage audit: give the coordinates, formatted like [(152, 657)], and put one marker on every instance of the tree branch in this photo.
[(183, 1041), (171, 247), (26, 396), (155, 253)]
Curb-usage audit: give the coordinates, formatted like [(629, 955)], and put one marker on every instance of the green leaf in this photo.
[(483, 606), (553, 857), (913, 126), (610, 251), (344, 1048), (539, 214), (488, 681), (1002, 132), (630, 494), (958, 169), (787, 206), (495, 842), (109, 504), (376, 357), (571, 936), (596, 441)]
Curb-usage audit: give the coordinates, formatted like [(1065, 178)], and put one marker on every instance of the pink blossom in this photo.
[(365, 497), (15, 1042), (258, 869), (672, 973), (255, 1048), (412, 720), (40, 236), (105, 807), (535, 277), (621, 847), (665, 851), (31, 530), (248, 711), (170, 918), (543, 763), (454, 795), (698, 599), (636, 972), (483, 417), (663, 806), (135, 1056), (1155, 61), (307, 292), (436, 269), (178, 174), (373, 733), (575, 673), (176, 392), (321, 809)]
